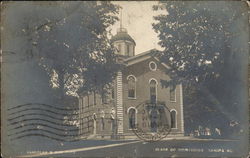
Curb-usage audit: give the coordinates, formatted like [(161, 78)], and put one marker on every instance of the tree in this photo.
[(70, 41), (201, 46), (197, 38)]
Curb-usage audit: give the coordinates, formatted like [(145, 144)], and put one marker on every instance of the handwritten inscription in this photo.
[(217, 150)]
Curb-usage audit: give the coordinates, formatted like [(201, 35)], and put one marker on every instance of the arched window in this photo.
[(173, 119), (152, 90), (131, 86), (104, 98), (119, 48), (94, 116), (132, 117), (88, 126), (172, 93), (94, 123), (94, 93), (82, 102), (102, 124)]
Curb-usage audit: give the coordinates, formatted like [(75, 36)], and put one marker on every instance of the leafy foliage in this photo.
[(203, 46), (197, 38), (72, 45)]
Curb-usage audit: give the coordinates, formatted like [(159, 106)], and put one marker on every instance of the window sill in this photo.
[(131, 98), (174, 128), (173, 101)]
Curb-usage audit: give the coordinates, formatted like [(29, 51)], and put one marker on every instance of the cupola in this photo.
[(123, 42)]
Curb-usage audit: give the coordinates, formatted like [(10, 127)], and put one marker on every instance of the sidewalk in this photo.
[(39, 154)]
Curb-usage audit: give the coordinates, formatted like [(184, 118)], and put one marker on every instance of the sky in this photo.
[(137, 18)]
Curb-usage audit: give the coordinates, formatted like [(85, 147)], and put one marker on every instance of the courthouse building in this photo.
[(137, 87)]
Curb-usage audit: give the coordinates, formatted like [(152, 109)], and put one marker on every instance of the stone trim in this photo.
[(119, 103), (181, 108)]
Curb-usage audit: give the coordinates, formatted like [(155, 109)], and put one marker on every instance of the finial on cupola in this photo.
[(121, 18)]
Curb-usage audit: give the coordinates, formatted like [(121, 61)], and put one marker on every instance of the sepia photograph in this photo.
[(125, 79)]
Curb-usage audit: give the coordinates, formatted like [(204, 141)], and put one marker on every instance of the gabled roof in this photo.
[(153, 53)]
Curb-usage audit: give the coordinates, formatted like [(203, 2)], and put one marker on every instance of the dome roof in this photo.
[(122, 35)]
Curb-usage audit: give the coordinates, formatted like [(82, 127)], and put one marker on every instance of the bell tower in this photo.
[(123, 42)]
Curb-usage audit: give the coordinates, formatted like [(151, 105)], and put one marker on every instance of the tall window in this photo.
[(173, 119), (94, 116), (131, 87), (153, 85), (113, 126), (119, 48), (104, 98), (88, 100), (127, 50), (94, 123), (88, 123), (172, 94), (113, 93), (83, 102), (94, 98), (102, 124), (131, 115)]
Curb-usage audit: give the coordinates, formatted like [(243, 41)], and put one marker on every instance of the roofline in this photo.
[(141, 55)]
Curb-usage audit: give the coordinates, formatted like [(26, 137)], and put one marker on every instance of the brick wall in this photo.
[(143, 74)]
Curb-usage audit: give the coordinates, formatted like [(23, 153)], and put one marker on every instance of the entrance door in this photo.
[(154, 119)]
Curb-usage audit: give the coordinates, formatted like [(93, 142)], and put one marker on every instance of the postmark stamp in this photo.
[(155, 124)]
